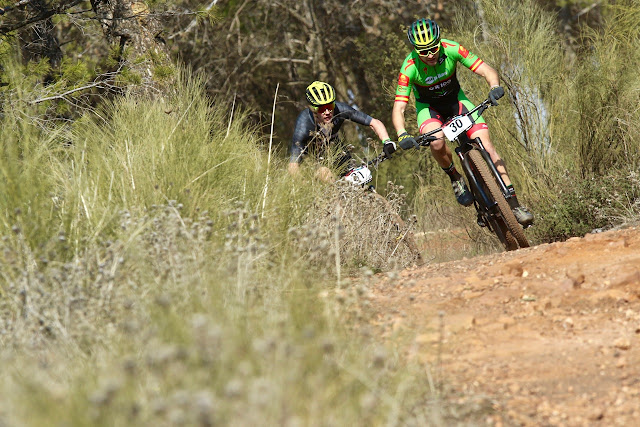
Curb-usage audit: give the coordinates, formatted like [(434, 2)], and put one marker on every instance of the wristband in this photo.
[(386, 140), (400, 132)]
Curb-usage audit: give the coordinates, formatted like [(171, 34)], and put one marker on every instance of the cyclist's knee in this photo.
[(492, 152), (438, 146), (324, 174)]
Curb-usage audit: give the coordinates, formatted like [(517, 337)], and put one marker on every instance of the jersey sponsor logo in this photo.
[(440, 86), (446, 45), (433, 79), (463, 51), (403, 80), (409, 63)]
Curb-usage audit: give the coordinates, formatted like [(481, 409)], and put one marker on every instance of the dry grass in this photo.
[(146, 329), (146, 279), (366, 227)]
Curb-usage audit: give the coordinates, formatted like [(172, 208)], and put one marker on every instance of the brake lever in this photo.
[(426, 140)]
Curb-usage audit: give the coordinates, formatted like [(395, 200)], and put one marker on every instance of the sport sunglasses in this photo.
[(322, 108), (429, 51)]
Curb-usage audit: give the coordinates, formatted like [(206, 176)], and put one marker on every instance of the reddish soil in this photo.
[(550, 335)]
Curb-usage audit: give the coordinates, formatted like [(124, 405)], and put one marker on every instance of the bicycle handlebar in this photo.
[(426, 138)]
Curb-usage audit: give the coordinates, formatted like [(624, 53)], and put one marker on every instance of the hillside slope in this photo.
[(548, 335)]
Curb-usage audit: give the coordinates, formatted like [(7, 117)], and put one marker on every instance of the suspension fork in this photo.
[(493, 168), (473, 181)]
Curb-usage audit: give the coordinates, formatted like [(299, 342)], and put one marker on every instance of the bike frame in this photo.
[(461, 150), (464, 145)]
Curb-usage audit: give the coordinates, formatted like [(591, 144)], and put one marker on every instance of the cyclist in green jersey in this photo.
[(430, 70)]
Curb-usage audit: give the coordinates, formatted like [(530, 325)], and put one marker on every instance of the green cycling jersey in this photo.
[(434, 84)]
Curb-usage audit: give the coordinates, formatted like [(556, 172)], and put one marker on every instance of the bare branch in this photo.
[(235, 18), (69, 92), (586, 10), (295, 15), (193, 23), (41, 15), (287, 60)]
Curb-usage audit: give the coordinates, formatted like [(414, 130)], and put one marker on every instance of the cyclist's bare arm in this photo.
[(397, 116), (489, 74), (378, 127)]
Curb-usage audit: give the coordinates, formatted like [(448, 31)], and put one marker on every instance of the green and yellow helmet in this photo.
[(320, 93), (424, 34)]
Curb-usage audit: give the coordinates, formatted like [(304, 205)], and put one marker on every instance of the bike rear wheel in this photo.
[(505, 225)]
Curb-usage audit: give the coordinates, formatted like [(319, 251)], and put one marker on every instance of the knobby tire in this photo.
[(508, 229)]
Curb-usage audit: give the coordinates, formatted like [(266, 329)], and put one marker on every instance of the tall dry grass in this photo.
[(142, 282)]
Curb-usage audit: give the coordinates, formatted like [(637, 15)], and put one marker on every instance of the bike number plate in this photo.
[(456, 126), (360, 175)]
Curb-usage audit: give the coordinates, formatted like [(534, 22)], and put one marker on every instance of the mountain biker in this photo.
[(430, 69), (317, 127)]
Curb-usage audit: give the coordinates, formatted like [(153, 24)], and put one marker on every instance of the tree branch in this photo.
[(41, 15), (287, 60), (295, 15), (193, 23), (69, 92)]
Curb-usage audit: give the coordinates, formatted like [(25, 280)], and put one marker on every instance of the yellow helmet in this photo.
[(424, 34), (320, 93)]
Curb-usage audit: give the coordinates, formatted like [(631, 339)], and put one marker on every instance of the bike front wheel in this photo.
[(504, 223)]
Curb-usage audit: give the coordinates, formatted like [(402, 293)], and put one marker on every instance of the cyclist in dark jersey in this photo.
[(317, 127), (430, 70)]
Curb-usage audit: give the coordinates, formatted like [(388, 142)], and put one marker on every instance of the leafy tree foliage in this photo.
[(258, 44)]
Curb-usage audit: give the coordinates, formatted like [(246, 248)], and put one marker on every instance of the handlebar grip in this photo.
[(425, 140)]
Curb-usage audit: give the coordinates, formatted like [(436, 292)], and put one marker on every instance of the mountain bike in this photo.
[(485, 182)]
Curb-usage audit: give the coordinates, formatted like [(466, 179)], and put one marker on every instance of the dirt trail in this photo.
[(550, 334)]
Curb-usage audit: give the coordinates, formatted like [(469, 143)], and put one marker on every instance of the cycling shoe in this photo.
[(480, 221), (463, 195), (523, 216)]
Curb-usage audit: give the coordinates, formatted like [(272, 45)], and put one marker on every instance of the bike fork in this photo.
[(493, 169), (485, 207), (473, 181)]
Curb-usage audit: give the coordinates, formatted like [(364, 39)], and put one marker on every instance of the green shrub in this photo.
[(583, 205)]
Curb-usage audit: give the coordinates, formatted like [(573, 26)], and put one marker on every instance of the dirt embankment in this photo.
[(549, 334)]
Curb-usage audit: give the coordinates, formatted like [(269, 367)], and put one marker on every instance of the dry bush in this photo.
[(75, 302), (167, 325), (365, 226)]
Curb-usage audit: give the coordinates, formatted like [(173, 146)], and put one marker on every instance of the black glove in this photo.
[(496, 93), (407, 141), (389, 148)]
